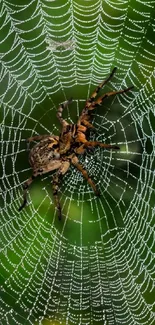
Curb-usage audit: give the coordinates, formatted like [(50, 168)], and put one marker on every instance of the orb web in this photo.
[(96, 266)]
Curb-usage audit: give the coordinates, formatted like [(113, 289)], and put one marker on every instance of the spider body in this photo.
[(44, 156), (59, 152)]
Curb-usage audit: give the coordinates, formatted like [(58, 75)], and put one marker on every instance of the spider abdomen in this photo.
[(44, 156)]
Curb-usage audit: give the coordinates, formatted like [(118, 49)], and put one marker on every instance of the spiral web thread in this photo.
[(97, 265)]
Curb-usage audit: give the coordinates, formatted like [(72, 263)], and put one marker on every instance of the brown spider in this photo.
[(59, 152)]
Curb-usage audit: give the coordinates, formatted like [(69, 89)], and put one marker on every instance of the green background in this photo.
[(96, 265)]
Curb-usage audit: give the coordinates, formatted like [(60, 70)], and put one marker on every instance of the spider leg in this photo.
[(25, 187), (81, 138), (94, 94), (56, 181), (80, 150), (60, 110), (76, 163), (38, 137), (87, 124), (91, 144), (111, 93)]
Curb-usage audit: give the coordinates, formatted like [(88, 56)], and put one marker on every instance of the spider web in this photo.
[(96, 266)]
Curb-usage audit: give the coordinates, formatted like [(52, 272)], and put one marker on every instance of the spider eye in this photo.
[(40, 170), (57, 155)]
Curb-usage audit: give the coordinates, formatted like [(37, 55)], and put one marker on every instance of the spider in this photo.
[(59, 152)]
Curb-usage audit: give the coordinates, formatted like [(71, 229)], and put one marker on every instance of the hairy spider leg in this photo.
[(84, 118), (66, 132), (111, 93), (94, 94), (60, 110), (76, 163), (81, 136), (91, 144), (25, 188), (38, 137), (56, 181), (88, 124), (91, 104)]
